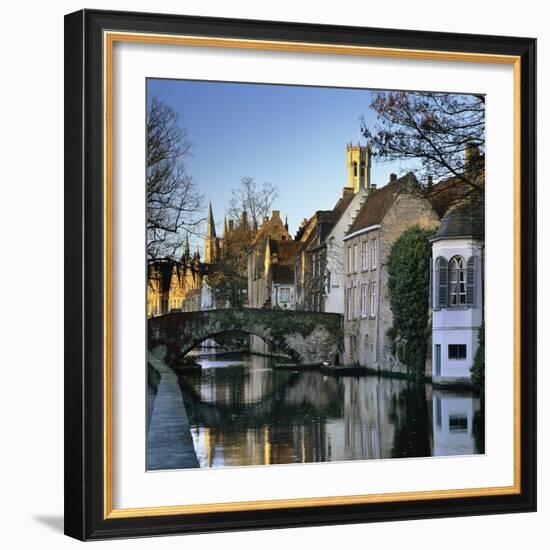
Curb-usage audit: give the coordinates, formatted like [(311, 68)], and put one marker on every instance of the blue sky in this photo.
[(291, 136)]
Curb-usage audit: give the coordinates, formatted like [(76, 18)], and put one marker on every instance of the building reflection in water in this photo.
[(453, 423), (243, 412)]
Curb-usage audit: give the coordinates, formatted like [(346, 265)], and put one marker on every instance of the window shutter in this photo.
[(431, 283), (471, 282), (443, 283)]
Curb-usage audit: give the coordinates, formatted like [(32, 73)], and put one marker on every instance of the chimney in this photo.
[(276, 214), (393, 177), (244, 219)]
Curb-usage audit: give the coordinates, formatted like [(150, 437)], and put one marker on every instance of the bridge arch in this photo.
[(308, 337), (199, 339)]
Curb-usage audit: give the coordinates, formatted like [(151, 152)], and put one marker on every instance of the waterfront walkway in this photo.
[(169, 441)]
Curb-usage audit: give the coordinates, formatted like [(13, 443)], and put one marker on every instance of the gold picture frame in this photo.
[(99, 32)]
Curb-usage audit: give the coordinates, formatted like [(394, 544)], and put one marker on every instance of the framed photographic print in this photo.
[(300, 274)]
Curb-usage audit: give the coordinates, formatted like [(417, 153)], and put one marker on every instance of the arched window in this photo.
[(457, 282), (355, 168), (454, 282)]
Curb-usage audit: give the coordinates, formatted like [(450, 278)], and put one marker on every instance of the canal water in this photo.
[(243, 411)]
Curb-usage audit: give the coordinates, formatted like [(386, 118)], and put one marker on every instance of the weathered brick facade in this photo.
[(385, 215)]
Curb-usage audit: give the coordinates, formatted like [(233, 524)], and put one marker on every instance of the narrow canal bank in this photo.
[(242, 409), (169, 441)]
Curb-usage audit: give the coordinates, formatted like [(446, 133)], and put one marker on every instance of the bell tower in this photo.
[(358, 161)]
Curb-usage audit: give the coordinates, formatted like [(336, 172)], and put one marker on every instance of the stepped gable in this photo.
[(341, 206), (272, 228)]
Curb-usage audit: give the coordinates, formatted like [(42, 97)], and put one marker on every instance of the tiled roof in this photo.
[(379, 201), (447, 193), (466, 220), (286, 250), (451, 191), (283, 274)]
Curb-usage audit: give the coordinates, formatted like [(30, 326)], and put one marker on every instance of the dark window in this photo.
[(457, 351), (355, 168), (362, 168), (458, 423)]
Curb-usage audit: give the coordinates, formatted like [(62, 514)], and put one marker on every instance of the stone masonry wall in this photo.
[(306, 336), (407, 211)]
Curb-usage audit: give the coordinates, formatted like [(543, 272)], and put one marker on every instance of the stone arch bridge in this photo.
[(308, 337)]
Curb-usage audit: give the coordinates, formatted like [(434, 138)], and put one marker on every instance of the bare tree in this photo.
[(173, 201), (253, 200), (438, 130), (248, 206)]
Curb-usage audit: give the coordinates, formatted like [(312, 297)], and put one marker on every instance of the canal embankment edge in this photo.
[(169, 440), (357, 370)]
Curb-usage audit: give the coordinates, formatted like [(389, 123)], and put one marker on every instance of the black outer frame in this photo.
[(84, 274)]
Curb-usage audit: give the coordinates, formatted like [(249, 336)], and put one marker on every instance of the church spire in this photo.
[(186, 250), (211, 242), (210, 227)]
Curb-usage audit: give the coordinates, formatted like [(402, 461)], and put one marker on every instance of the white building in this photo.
[(453, 423), (457, 293), (283, 289), (335, 273)]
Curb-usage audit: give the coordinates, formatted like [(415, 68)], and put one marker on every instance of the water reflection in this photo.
[(454, 423), (244, 412)]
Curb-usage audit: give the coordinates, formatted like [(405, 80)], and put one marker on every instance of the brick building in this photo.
[(384, 215)]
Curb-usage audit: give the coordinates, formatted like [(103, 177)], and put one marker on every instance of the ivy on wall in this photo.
[(478, 368), (408, 292)]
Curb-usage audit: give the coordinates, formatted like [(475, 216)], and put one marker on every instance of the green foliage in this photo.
[(478, 429), (408, 289), (478, 368)]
